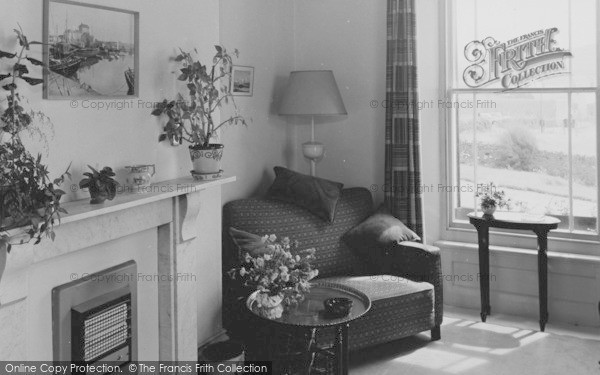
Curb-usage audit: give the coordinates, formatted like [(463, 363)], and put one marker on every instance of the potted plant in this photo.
[(101, 184), (192, 119), (492, 198), (29, 200)]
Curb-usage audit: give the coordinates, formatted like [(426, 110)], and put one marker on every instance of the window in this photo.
[(521, 98)]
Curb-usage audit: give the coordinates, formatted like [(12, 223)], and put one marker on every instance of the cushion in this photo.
[(317, 195), (378, 232), (248, 242)]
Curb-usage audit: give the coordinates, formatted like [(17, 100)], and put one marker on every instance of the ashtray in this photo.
[(337, 307)]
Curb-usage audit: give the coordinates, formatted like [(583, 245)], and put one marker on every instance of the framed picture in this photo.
[(242, 80), (91, 51)]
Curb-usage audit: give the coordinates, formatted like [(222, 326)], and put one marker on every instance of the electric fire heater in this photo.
[(95, 318)]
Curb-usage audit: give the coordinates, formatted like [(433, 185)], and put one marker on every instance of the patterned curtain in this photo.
[(403, 195)]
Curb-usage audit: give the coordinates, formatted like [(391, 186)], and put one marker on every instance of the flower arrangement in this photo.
[(280, 275), (491, 198)]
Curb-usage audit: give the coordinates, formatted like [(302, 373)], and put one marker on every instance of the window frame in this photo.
[(462, 230)]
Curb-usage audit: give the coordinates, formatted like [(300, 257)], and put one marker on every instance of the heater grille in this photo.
[(101, 327)]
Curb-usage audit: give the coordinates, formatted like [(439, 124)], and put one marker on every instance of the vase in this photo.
[(488, 210), (140, 176), (270, 307), (206, 160)]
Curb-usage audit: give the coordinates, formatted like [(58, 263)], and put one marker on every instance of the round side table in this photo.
[(310, 314)]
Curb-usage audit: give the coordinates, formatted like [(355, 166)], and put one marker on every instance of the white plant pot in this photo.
[(207, 160)]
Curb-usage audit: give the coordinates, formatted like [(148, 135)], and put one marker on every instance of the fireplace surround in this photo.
[(173, 230)]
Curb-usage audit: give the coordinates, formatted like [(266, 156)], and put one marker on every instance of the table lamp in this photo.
[(312, 93)]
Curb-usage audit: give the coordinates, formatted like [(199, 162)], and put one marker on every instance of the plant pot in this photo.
[(207, 160), (488, 210), (97, 199), (222, 355)]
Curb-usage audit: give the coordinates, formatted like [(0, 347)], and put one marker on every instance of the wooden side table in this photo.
[(510, 220), (309, 315)]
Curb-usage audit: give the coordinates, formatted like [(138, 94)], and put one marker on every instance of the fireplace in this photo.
[(94, 319), (173, 230)]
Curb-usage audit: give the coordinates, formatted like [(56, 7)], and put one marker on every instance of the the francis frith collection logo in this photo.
[(516, 62)]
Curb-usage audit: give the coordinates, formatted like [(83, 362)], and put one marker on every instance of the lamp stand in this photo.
[(312, 150)]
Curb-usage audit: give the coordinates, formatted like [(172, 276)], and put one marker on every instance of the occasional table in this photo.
[(310, 314), (540, 225)]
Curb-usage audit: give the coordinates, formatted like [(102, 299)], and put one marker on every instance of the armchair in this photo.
[(403, 281)]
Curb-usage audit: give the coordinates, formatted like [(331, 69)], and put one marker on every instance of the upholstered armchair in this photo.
[(403, 280)]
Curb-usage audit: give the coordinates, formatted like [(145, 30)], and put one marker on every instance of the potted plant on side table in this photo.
[(192, 119), (492, 198), (29, 199)]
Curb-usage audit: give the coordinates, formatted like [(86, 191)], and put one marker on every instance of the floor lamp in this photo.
[(312, 93)]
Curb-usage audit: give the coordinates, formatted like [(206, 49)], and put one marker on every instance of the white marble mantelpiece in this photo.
[(173, 228)]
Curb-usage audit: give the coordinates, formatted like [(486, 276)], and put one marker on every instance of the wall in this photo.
[(263, 31), (348, 37), (120, 137)]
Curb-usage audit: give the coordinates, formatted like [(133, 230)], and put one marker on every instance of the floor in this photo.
[(504, 345)]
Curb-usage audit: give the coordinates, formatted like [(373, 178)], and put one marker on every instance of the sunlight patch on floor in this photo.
[(480, 349), (465, 365), (494, 328), (422, 358)]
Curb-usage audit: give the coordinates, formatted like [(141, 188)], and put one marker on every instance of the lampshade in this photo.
[(312, 93)]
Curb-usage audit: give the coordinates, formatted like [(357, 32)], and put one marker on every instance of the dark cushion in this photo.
[(378, 232), (317, 195), (248, 242)]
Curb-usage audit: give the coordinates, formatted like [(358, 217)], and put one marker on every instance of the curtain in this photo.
[(403, 195)]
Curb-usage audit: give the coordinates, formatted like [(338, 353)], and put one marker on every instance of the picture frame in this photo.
[(90, 51), (242, 80)]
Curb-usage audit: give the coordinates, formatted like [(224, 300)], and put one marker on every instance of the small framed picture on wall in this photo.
[(242, 80)]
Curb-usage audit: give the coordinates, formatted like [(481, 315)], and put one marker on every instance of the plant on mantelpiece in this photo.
[(29, 199), (101, 184), (192, 119)]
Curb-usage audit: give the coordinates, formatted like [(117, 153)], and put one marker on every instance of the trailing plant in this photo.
[(192, 119), (101, 184), (29, 199)]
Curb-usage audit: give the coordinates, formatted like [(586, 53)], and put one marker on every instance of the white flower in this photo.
[(272, 238), (243, 271), (283, 269), (264, 238), (247, 258), (274, 275), (260, 262), (297, 258), (267, 256), (285, 277)]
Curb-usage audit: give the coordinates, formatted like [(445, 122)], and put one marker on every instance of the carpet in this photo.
[(475, 348)]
